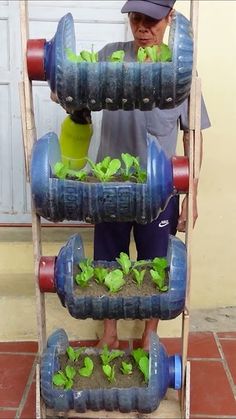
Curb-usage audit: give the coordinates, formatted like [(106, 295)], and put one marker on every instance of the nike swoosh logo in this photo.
[(163, 223)]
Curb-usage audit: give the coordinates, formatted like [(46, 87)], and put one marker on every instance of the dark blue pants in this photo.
[(151, 239)]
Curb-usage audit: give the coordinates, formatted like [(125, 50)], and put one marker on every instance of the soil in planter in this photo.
[(93, 179), (130, 288), (98, 380)]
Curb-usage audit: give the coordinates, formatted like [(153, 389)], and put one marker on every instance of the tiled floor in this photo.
[(213, 375)]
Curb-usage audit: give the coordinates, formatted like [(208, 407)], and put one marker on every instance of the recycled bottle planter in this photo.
[(57, 275), (164, 372), (57, 200), (113, 86)]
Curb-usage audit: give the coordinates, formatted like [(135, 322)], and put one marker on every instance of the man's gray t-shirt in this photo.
[(126, 131)]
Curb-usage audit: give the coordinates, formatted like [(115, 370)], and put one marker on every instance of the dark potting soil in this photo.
[(98, 380), (130, 288), (93, 179)]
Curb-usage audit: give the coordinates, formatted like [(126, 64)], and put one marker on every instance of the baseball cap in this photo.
[(158, 9)]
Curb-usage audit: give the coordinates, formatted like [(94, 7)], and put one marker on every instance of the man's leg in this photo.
[(152, 241), (109, 240)]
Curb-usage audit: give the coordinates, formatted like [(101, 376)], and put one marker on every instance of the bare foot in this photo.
[(111, 342)]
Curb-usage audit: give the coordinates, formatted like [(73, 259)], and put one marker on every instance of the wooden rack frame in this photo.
[(167, 407)]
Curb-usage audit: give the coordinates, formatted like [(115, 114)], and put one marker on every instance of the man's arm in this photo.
[(183, 214)]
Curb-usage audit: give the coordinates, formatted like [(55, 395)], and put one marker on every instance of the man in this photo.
[(126, 132)]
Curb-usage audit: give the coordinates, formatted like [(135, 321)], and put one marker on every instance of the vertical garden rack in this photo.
[(171, 407)]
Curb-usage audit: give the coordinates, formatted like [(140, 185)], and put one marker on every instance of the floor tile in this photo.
[(202, 345), (229, 349), (229, 335), (15, 370), (18, 347), (211, 393), (29, 411), (7, 414), (172, 345)]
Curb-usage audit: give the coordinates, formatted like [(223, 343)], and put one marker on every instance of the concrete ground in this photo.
[(17, 294)]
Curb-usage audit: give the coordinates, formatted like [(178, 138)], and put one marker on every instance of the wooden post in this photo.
[(29, 137), (194, 168)]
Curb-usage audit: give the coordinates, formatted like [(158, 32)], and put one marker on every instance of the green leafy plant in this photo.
[(87, 272), (138, 276), (74, 354), (114, 280), (139, 173), (62, 172), (64, 379), (141, 358), (105, 169), (138, 353), (100, 274), (158, 274), (125, 262), (109, 372), (117, 56), (126, 368), (84, 56), (159, 279), (141, 55), (144, 367), (87, 369), (159, 264), (156, 53), (108, 356)]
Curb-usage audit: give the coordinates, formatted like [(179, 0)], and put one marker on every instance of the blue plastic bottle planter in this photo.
[(165, 306), (58, 200), (113, 86), (164, 372)]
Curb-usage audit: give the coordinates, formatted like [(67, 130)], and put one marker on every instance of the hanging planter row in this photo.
[(62, 199), (163, 372), (57, 274), (113, 86)]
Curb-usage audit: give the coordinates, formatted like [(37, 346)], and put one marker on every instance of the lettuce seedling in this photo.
[(117, 56), (87, 369), (71, 56), (138, 276), (144, 367), (74, 354), (126, 368), (159, 53), (87, 273), (141, 358), (114, 280), (100, 274), (60, 170), (158, 274), (109, 372), (64, 379), (105, 169), (125, 262), (138, 353), (128, 160), (159, 264), (139, 173), (108, 356), (141, 55), (159, 279)]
